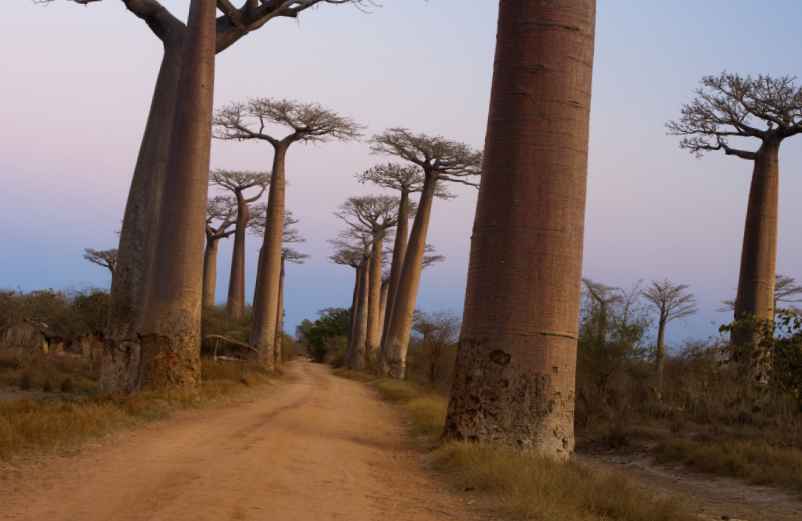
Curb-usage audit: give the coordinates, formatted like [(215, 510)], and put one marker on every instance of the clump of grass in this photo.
[(534, 487), (752, 460), (525, 485), (39, 425)]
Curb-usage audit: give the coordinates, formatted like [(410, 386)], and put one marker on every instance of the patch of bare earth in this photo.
[(712, 497), (318, 448)]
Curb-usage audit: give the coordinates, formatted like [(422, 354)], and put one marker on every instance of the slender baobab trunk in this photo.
[(756, 281), (257, 301), (356, 359), (280, 318), (263, 329), (385, 289), (354, 300), (120, 361), (235, 305), (660, 355), (399, 251), (394, 361), (210, 272), (514, 379), (171, 339), (374, 298)]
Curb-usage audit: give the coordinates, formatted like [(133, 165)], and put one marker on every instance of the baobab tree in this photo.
[(767, 110), (672, 301), (514, 380), (786, 293), (221, 219), (354, 249), (306, 123), (372, 215), (133, 277), (239, 183), (602, 297), (441, 161), (291, 256), (405, 179), (104, 258)]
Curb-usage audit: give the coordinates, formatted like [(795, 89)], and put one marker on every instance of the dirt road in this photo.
[(319, 448)]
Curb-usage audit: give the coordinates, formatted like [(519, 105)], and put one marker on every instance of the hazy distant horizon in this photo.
[(76, 91)]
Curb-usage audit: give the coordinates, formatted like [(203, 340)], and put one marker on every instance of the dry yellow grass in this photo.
[(751, 460), (28, 426), (524, 485)]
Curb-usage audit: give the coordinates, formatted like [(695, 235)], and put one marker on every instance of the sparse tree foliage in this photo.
[(727, 113), (441, 161), (104, 258), (673, 302), (259, 119)]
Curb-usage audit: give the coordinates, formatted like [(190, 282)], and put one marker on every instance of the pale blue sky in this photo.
[(76, 83)]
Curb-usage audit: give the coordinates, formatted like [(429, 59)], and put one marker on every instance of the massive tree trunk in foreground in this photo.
[(515, 374), (399, 252), (235, 305), (394, 359), (137, 244), (355, 358), (263, 327), (374, 298), (757, 276), (210, 272), (385, 290), (171, 341)]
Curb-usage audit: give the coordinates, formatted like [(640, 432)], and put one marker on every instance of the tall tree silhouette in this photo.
[(239, 183), (304, 123), (767, 110), (221, 219), (441, 161)]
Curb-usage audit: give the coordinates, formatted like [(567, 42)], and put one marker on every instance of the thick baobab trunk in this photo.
[(280, 319), (356, 358), (394, 359), (660, 355), (171, 339), (514, 380), (399, 251), (755, 299), (263, 329), (235, 305), (374, 298), (210, 272), (120, 361), (385, 290)]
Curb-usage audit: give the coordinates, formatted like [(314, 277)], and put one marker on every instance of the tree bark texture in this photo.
[(357, 352), (374, 299), (263, 328), (136, 249), (514, 380), (396, 264), (280, 319), (235, 305), (385, 290), (755, 298), (210, 272), (171, 339), (394, 361)]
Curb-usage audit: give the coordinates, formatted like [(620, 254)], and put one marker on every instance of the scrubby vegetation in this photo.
[(522, 485), (49, 397)]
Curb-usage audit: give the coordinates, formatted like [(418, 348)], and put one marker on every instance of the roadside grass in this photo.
[(523, 485), (752, 460), (56, 423)]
